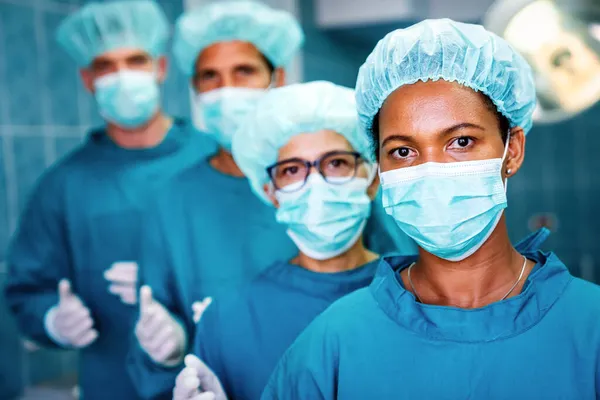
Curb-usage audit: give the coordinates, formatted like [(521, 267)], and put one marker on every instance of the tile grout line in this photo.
[(10, 173), (49, 142)]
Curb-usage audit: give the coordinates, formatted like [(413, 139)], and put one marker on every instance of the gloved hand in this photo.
[(197, 382), (198, 308), (69, 323), (159, 334), (123, 277)]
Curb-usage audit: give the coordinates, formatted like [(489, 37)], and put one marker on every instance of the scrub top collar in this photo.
[(328, 286), (500, 320), (177, 137)]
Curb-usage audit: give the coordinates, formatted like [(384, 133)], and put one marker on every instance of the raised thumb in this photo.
[(145, 297), (64, 290)]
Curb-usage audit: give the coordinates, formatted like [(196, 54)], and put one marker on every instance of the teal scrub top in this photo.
[(85, 214), (380, 343), (241, 338)]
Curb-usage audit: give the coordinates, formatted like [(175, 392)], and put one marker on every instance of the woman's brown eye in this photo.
[(463, 142)]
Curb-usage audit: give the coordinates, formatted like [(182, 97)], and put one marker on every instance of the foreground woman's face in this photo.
[(436, 122)]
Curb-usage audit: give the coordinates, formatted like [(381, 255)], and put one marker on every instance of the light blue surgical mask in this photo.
[(449, 209), (220, 112), (127, 98), (324, 220)]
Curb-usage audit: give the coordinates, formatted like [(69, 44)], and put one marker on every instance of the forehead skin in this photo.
[(119, 55), (233, 63), (426, 114), (226, 55), (310, 146)]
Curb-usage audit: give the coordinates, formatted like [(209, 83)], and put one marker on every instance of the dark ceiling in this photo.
[(367, 36)]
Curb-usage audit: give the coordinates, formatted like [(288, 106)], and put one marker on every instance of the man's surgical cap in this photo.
[(100, 27), (276, 34), (452, 51), (289, 111)]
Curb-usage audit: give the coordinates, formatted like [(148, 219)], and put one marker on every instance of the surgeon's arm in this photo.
[(38, 258), (383, 236), (151, 380)]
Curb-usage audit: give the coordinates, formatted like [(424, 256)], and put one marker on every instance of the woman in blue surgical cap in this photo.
[(448, 106), (302, 152)]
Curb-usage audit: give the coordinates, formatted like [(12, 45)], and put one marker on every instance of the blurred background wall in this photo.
[(44, 112)]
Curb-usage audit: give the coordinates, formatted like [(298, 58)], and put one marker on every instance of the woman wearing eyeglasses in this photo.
[(302, 153)]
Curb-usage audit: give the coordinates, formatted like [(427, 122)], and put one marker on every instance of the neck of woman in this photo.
[(224, 163), (353, 258), (146, 136), (481, 279)]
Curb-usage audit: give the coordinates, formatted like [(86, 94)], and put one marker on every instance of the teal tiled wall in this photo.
[(326, 56), (561, 176)]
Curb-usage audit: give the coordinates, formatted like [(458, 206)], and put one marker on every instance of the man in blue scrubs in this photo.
[(72, 263), (218, 235), (448, 106)]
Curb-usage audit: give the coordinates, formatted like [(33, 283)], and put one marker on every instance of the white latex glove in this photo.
[(198, 308), (69, 323), (159, 334), (123, 276), (197, 382)]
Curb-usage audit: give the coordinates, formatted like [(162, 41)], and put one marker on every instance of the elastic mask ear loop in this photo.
[(506, 147), (155, 68), (271, 188), (271, 82), (503, 158), (373, 172)]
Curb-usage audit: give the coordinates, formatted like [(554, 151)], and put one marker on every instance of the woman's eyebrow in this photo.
[(447, 131)]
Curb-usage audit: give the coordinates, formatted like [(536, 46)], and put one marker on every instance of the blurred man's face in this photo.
[(122, 59), (234, 64)]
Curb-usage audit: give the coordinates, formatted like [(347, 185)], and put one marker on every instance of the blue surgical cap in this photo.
[(276, 34), (452, 51), (100, 27), (289, 111)]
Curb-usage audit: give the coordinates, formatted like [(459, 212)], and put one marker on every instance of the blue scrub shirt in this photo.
[(379, 343), (242, 338), (85, 214)]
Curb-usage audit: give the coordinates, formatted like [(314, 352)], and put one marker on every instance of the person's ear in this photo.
[(373, 188), (516, 152), (87, 77), (162, 67), (270, 192), (279, 77)]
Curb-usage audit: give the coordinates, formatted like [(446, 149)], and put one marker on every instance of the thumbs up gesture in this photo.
[(158, 333), (197, 382), (69, 323)]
